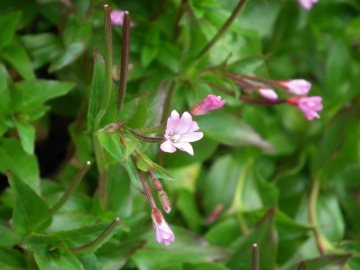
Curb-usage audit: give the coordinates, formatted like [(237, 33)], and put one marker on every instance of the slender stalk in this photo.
[(145, 138), (145, 186), (125, 47), (255, 257), (67, 194), (302, 266), (108, 66), (169, 101), (151, 130), (222, 31), (98, 240), (247, 99), (71, 189), (99, 151), (312, 214)]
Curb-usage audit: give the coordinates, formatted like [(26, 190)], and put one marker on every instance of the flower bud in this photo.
[(165, 202), (297, 87), (164, 234), (210, 103), (268, 93)]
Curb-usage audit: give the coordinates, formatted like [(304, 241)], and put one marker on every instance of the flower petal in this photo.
[(167, 146), (183, 124), (185, 146), (190, 137)]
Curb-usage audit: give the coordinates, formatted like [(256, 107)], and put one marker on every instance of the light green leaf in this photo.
[(19, 59), (27, 136), (14, 158), (111, 143), (30, 94)]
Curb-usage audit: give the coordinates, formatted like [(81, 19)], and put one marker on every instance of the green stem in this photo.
[(67, 194), (103, 171), (124, 60), (255, 257), (108, 66), (312, 214), (98, 240), (223, 30)]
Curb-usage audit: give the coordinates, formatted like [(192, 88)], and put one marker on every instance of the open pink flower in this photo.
[(308, 105), (164, 234), (307, 4), (210, 103), (117, 17), (180, 132), (268, 93), (297, 87)]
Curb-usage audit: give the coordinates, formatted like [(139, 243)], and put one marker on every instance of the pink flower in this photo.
[(268, 93), (180, 132), (308, 105), (164, 234), (307, 4), (210, 103), (296, 87), (117, 17)]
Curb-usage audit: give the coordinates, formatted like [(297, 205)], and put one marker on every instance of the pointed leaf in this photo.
[(27, 136), (8, 25), (111, 143), (29, 94), (139, 116), (30, 209), (11, 259), (14, 158)]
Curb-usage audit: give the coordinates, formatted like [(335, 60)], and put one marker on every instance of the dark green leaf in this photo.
[(111, 143), (139, 116), (11, 259), (265, 236), (8, 237), (59, 259), (30, 210), (8, 24), (333, 262)]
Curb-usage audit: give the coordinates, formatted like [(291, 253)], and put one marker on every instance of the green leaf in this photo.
[(27, 136), (186, 204), (30, 209), (8, 24), (231, 131), (77, 37), (114, 256), (14, 158), (265, 236), (97, 90), (151, 46), (139, 116), (11, 259), (111, 143), (8, 237), (333, 262), (59, 259), (30, 94), (4, 77), (19, 59), (188, 248), (89, 262), (42, 47)]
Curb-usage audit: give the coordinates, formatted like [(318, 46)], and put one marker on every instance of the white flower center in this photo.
[(174, 138)]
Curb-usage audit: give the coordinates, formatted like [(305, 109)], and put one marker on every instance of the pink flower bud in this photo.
[(268, 93), (307, 4), (308, 105), (210, 103), (164, 234), (117, 17), (297, 87), (165, 202)]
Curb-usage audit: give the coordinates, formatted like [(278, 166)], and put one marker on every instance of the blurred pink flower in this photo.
[(297, 87), (164, 234), (308, 105), (268, 93), (180, 132), (307, 4), (210, 103), (117, 17)]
